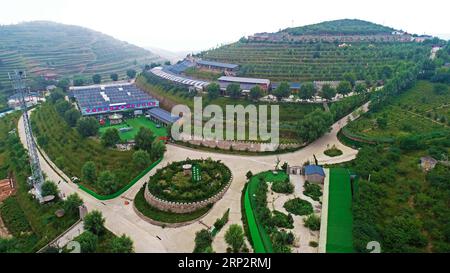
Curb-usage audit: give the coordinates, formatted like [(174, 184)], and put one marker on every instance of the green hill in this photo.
[(326, 52), (341, 27), (43, 47)]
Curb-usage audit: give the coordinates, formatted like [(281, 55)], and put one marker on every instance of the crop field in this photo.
[(417, 111), (135, 124), (319, 61)]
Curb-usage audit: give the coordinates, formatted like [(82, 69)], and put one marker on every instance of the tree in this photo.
[(88, 242), (235, 237), (122, 244), (63, 84), (314, 125), (72, 116), (144, 139), (234, 90), (49, 188), (351, 78), (62, 106), (97, 78), (56, 95), (307, 90), (203, 240), (255, 92), (87, 126), (89, 172), (114, 76), (328, 92), (79, 81), (110, 137), (141, 159), (72, 203), (158, 149), (382, 121), (213, 90), (312, 222), (107, 182), (344, 88), (131, 73), (283, 90), (360, 88), (94, 222)]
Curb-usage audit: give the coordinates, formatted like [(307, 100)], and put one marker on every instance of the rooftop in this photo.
[(314, 169), (244, 80), (217, 64), (163, 115)]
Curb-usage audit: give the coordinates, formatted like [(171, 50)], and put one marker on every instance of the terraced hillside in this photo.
[(45, 47), (279, 56), (344, 26)]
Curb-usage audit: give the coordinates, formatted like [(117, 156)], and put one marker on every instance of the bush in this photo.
[(313, 244), (282, 220), (312, 222), (94, 222), (298, 206), (312, 190), (333, 151), (283, 186)]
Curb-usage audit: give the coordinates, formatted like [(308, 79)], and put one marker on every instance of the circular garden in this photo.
[(189, 180), (184, 190)]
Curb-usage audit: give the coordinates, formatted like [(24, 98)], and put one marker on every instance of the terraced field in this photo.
[(418, 111), (316, 61), (45, 47)]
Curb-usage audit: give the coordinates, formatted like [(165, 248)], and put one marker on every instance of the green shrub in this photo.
[(298, 206), (283, 186), (282, 220), (312, 222), (312, 190), (203, 241), (88, 242)]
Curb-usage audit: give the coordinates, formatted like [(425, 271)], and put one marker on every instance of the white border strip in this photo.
[(324, 214)]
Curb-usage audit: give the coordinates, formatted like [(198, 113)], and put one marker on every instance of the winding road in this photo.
[(121, 218)]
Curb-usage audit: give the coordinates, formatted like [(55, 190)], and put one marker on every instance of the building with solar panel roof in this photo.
[(107, 99)]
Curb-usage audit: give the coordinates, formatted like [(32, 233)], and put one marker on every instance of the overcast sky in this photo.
[(183, 25)]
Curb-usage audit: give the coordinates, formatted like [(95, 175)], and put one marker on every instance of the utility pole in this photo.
[(36, 179)]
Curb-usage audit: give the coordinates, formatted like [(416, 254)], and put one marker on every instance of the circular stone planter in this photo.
[(185, 207)]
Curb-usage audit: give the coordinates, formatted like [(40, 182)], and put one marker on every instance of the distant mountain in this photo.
[(58, 50), (340, 27), (172, 56)]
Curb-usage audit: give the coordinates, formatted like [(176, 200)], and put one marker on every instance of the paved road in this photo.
[(121, 219)]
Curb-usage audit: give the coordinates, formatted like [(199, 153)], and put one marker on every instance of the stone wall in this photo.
[(180, 207)]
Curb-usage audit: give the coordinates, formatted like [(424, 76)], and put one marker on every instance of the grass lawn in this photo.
[(135, 123), (340, 219), (163, 216)]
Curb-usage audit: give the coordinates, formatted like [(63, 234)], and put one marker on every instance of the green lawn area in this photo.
[(135, 123), (340, 219)]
